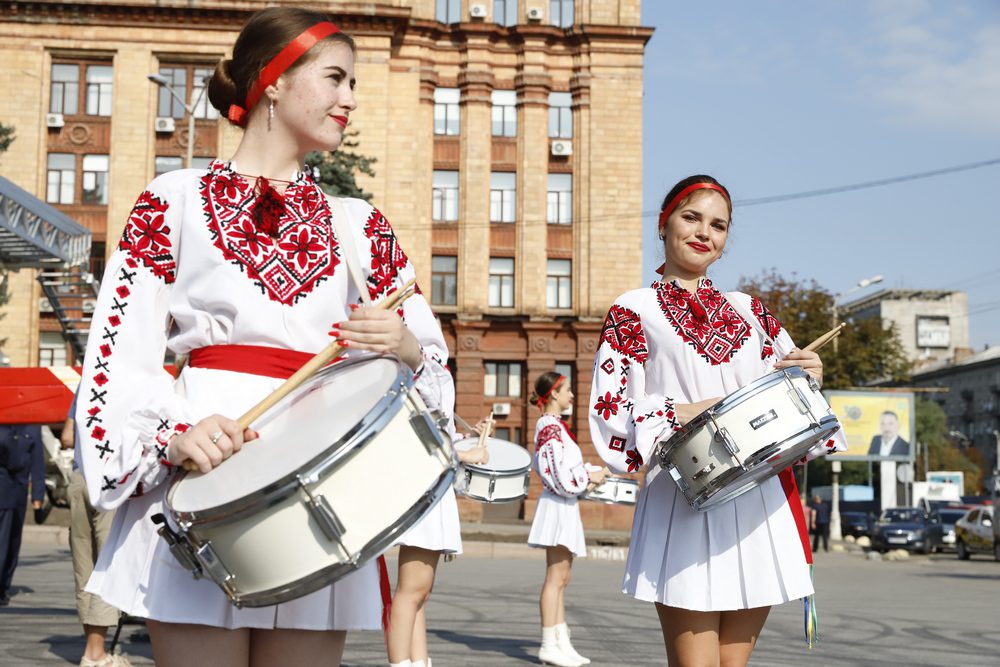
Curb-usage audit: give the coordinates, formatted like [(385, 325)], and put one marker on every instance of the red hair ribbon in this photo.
[(672, 204), (281, 62), (542, 400)]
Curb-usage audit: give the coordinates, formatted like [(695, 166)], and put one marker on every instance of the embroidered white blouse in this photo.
[(558, 459)]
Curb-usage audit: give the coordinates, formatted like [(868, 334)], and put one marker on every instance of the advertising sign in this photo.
[(878, 426)]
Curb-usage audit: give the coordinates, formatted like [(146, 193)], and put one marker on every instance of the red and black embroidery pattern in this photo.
[(548, 434), (146, 236), (288, 266), (706, 321), (769, 323), (388, 258), (633, 459), (623, 332)]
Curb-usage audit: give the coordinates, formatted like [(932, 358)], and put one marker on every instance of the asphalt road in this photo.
[(924, 611)]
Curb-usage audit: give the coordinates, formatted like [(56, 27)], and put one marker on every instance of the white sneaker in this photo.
[(562, 637)]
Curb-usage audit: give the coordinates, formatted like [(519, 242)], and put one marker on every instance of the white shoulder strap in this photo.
[(342, 227), (749, 317)]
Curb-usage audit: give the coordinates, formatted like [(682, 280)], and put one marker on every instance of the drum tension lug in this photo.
[(179, 547), (320, 509)]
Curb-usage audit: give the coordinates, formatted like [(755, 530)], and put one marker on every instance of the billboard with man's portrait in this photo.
[(878, 426)]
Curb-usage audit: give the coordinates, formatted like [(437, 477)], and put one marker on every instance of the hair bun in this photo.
[(222, 90)]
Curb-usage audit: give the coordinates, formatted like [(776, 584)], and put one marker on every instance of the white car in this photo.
[(974, 533)]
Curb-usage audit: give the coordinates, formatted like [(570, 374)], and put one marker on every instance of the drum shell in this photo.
[(615, 491), (490, 484)]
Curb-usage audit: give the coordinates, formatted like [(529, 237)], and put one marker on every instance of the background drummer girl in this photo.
[(557, 526)]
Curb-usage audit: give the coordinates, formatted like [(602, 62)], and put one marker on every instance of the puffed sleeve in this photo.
[(626, 421), (562, 474), (127, 409), (390, 269), (783, 346)]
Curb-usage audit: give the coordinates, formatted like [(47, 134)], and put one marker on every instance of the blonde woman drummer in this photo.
[(668, 352), (242, 259), (420, 550), (557, 526)]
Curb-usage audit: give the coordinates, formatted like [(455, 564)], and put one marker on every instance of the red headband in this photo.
[(542, 400), (672, 204), (281, 62)]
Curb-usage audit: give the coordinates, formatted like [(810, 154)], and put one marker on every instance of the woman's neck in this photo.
[(271, 154), (552, 411), (687, 279)]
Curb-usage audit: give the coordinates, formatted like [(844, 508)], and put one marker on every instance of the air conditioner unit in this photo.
[(44, 305), (536, 13), (562, 147), (164, 124), (501, 409), (477, 11), (89, 305), (54, 120)]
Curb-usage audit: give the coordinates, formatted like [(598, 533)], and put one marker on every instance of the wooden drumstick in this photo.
[(825, 338), (327, 355)]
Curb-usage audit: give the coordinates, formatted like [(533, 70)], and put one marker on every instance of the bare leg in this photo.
[(296, 647), (691, 637), (418, 645), (186, 645), (738, 633), (561, 613), (558, 565), (416, 578), (95, 649)]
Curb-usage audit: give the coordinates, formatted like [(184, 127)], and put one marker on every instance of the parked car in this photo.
[(943, 526), (855, 523), (902, 528), (974, 533)]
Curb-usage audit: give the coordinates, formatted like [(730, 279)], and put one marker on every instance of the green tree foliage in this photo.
[(6, 137), (338, 170), (944, 453), (867, 352)]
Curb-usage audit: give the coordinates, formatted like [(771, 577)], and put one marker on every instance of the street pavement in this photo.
[(924, 611)]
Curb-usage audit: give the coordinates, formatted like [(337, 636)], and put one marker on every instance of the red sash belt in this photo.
[(279, 363)]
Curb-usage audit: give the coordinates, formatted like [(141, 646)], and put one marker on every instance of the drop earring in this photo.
[(270, 113)]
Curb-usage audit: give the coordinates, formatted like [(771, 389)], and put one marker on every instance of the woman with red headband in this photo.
[(557, 526), (238, 267), (667, 353)]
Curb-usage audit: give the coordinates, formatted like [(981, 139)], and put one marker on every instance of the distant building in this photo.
[(933, 325)]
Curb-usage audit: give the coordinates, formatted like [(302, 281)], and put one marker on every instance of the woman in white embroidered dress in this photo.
[(667, 353), (241, 258), (557, 527)]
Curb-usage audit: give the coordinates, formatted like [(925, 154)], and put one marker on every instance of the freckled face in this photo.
[(696, 232), (314, 101)]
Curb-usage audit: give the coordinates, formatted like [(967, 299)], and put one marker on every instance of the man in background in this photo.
[(21, 461), (820, 523), (888, 442)]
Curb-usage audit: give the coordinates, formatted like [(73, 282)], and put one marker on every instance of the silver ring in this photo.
[(215, 437)]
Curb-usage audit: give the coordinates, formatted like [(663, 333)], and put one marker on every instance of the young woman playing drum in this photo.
[(557, 526), (237, 266), (667, 353)]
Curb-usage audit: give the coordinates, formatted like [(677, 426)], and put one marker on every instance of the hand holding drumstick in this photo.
[(807, 358), (480, 454)]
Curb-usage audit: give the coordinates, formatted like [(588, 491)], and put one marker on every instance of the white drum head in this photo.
[(504, 456), (304, 425)]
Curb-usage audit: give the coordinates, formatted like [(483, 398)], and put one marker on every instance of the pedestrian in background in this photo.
[(820, 523), (21, 458), (88, 530)]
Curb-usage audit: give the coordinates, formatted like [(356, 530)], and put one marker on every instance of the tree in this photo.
[(6, 137), (942, 452), (337, 170), (867, 352)]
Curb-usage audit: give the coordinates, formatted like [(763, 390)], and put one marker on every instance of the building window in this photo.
[(502, 379), (565, 369), (559, 284), (61, 178), (99, 90), (183, 79), (444, 280), (448, 11), (501, 290), (560, 199), (445, 196), (505, 12), (561, 13), (51, 349), (95, 179), (504, 113), (446, 111), (510, 434), (560, 116), (164, 163), (503, 196), (65, 93)]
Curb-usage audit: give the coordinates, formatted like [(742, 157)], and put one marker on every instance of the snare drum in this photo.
[(747, 437), (503, 479), (345, 464), (615, 491)]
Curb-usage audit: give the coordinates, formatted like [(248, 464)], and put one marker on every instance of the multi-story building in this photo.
[(508, 140)]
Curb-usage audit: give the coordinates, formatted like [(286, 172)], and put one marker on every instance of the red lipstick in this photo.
[(699, 247), (341, 120)]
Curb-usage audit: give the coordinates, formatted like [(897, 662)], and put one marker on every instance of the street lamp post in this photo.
[(162, 81), (861, 285)]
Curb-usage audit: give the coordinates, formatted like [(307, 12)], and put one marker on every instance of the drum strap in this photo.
[(750, 318), (342, 228)]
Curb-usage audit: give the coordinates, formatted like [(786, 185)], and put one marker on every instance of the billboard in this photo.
[(878, 426)]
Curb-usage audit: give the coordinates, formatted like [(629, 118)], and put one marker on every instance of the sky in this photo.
[(776, 97)]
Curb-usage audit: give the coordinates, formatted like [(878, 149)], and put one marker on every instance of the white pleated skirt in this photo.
[(136, 572), (557, 522), (439, 529), (744, 554)]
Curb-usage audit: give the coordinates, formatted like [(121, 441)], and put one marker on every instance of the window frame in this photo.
[(448, 110), (560, 281), (502, 369), (560, 115), (503, 199), (440, 281), (502, 283), (507, 110), (444, 197), (559, 200)]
